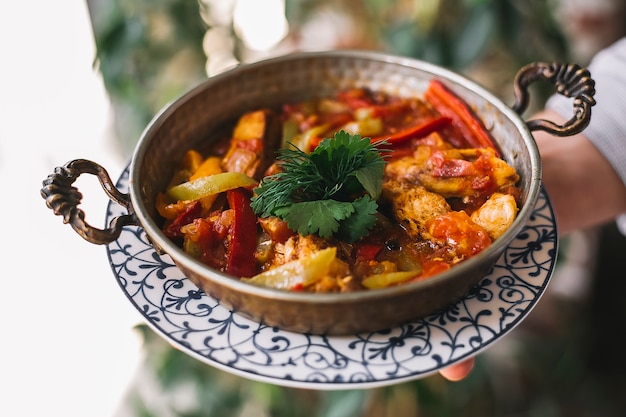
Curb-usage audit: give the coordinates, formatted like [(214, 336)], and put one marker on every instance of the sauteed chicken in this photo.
[(362, 190)]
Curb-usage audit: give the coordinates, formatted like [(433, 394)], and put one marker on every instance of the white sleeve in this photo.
[(607, 126)]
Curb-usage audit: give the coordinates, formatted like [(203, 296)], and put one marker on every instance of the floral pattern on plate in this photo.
[(198, 325)]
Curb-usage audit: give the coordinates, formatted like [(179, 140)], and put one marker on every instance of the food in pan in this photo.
[(359, 191)]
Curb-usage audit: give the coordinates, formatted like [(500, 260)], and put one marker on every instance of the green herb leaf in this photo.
[(321, 216), (364, 217), (346, 158), (320, 191), (371, 178)]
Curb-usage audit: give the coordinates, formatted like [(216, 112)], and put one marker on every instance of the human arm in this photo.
[(583, 186), (585, 174), (594, 159)]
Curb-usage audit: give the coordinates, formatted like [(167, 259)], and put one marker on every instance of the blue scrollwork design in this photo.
[(198, 324)]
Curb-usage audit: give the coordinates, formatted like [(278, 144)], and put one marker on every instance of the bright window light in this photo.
[(261, 24)]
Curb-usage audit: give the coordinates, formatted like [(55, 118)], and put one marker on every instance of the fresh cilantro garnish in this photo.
[(331, 191), (321, 216)]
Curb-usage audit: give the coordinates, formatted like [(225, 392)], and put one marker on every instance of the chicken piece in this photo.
[(496, 215), (339, 277), (453, 172), (276, 228), (405, 170), (413, 205), (256, 137), (297, 247), (409, 168)]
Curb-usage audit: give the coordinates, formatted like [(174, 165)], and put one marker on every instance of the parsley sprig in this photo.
[(331, 191)]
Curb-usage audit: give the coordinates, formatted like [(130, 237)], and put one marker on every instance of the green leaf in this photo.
[(315, 192), (371, 178), (273, 192), (362, 220), (321, 216)]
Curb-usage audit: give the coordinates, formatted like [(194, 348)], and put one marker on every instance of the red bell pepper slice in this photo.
[(192, 211), (448, 104), (240, 258), (368, 251), (204, 242), (314, 142), (416, 131)]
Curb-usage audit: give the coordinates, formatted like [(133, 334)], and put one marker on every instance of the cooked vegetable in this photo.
[(241, 262), (331, 192), (302, 199), (212, 184), (255, 138), (416, 131), (299, 273), (388, 279), (210, 166), (463, 118), (188, 214)]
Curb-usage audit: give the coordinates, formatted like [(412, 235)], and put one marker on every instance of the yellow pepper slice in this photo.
[(210, 166), (388, 278), (364, 127), (303, 140), (168, 209), (212, 184), (191, 160), (304, 271)]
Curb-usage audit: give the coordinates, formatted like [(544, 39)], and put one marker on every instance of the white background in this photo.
[(68, 347)]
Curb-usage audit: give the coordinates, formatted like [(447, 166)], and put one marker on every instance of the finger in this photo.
[(458, 371)]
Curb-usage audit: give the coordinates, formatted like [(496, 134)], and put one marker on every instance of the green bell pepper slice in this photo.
[(298, 273), (212, 184)]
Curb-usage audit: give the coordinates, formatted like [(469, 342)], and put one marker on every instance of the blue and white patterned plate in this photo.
[(198, 325)]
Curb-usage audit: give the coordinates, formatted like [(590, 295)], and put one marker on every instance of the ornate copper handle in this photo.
[(63, 199), (570, 80)]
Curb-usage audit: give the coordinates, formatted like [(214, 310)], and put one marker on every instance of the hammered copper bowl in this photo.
[(198, 117)]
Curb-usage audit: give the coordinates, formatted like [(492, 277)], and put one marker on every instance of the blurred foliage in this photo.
[(150, 51), (560, 362), (451, 33), (187, 388)]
